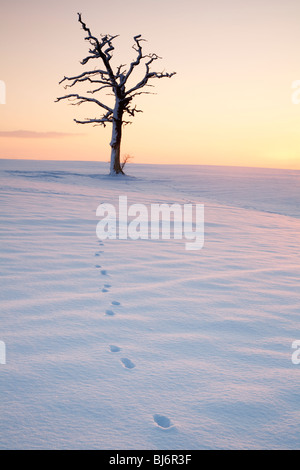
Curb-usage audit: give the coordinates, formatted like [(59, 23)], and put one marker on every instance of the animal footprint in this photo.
[(127, 363), (109, 312), (162, 421), (114, 302), (103, 271), (114, 348), (106, 287)]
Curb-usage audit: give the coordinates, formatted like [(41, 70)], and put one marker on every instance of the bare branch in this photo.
[(108, 117), (82, 99), (86, 59), (143, 93), (97, 122), (98, 51), (132, 111), (149, 75), (86, 76), (120, 74), (110, 48), (138, 48), (99, 89)]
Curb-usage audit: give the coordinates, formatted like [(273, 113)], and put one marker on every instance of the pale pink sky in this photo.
[(229, 104)]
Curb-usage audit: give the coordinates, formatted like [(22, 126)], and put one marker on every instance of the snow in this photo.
[(141, 344)]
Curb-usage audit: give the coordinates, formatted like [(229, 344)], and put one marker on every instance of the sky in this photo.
[(231, 101)]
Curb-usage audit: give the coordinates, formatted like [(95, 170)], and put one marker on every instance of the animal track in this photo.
[(162, 421), (106, 288), (109, 312), (127, 363)]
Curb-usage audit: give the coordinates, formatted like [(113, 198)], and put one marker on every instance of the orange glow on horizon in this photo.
[(230, 102)]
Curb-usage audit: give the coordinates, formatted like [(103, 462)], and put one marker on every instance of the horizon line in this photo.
[(150, 163)]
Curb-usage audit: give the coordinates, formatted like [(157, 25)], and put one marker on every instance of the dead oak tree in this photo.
[(116, 81)]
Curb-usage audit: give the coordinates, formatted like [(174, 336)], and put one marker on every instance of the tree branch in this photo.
[(143, 93), (149, 75), (138, 48), (98, 51), (99, 89), (132, 111), (99, 122), (86, 76), (83, 99)]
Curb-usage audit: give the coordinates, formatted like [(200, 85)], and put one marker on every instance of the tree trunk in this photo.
[(115, 164)]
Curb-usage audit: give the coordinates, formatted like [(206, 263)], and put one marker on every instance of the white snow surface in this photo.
[(141, 344)]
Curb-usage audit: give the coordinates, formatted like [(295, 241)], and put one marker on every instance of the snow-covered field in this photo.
[(142, 344)]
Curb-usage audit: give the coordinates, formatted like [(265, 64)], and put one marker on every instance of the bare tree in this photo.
[(116, 81)]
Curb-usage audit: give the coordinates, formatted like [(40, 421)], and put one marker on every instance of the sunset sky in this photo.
[(230, 102)]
